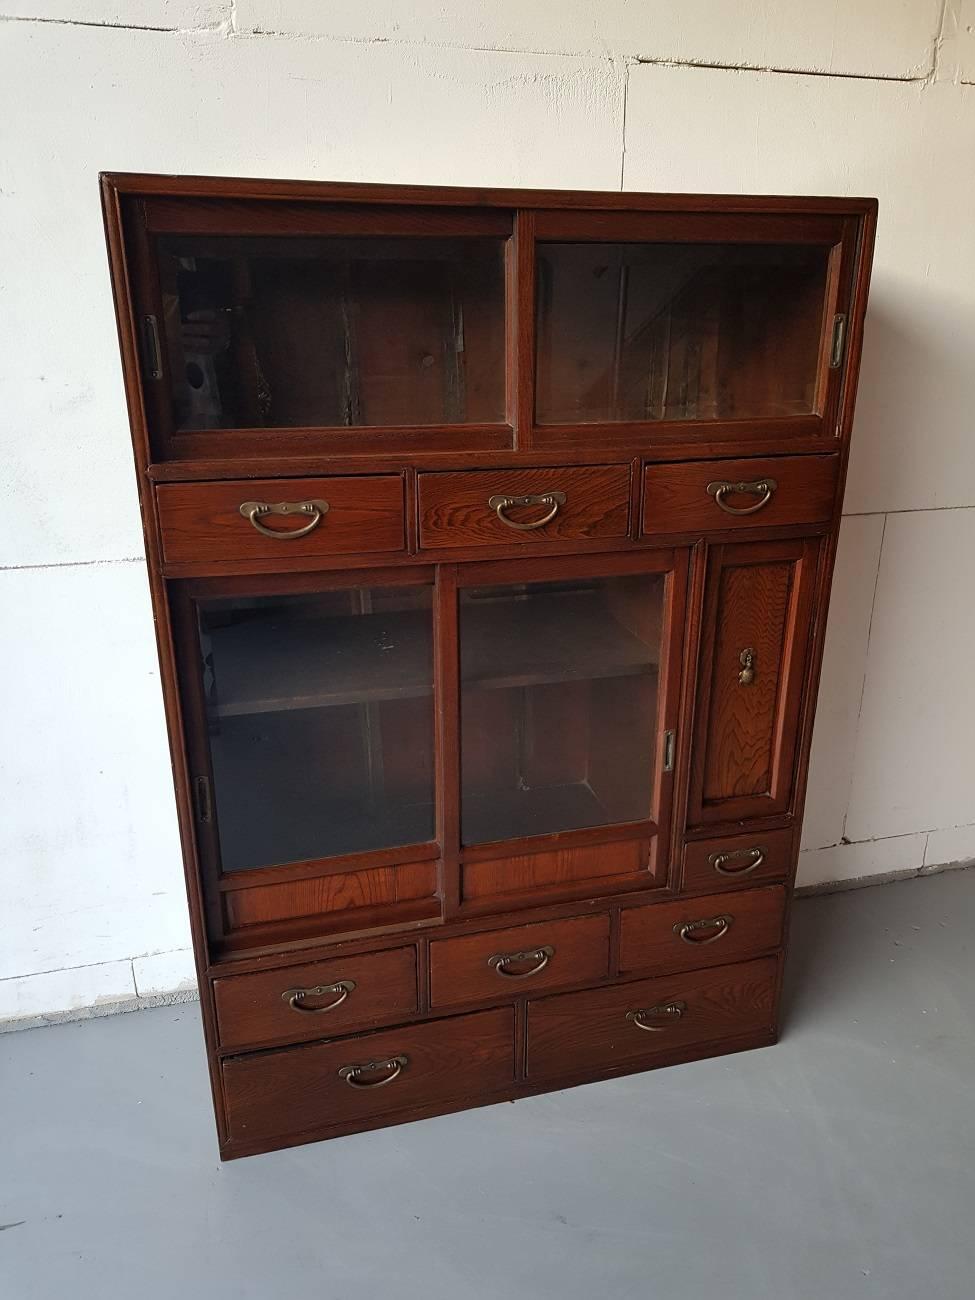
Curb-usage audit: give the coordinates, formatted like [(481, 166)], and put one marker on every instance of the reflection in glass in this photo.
[(320, 720), (558, 704), (678, 331)]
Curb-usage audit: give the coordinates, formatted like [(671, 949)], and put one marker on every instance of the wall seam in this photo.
[(72, 564)]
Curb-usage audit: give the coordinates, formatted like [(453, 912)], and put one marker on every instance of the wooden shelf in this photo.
[(513, 814), (557, 637)]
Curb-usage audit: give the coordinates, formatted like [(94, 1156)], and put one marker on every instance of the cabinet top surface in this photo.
[(149, 184)]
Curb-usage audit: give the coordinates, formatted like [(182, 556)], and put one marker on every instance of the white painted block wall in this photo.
[(843, 96)]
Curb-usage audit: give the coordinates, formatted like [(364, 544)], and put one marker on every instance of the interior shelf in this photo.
[(514, 813)]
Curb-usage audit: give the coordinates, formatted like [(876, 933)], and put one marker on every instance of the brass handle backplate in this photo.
[(718, 860), (764, 488), (554, 500), (669, 1011), (340, 990), (747, 660), (687, 929), (352, 1073), (540, 956), (255, 511)]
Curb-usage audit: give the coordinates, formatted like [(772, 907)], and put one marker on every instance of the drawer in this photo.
[(730, 861), (202, 522), (698, 496), (501, 963), (319, 999), (704, 931), (613, 1027), (289, 1092), (487, 507)]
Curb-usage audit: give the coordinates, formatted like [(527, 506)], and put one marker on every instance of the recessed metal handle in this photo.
[(352, 1073), (687, 929), (756, 856), (554, 500), (255, 511), (760, 487), (671, 1011), (295, 998), (747, 660), (153, 352), (540, 956)]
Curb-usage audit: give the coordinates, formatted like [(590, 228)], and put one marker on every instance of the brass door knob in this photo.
[(747, 661)]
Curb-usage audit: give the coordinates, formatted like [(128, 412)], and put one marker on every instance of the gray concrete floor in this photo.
[(838, 1164)]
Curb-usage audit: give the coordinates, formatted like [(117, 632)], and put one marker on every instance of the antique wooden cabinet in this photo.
[(490, 536)]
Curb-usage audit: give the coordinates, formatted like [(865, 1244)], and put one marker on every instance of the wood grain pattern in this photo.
[(251, 1010), (566, 868), (202, 523), (454, 508), (459, 970), (590, 1031), (700, 875), (343, 892), (676, 499), (650, 939), (285, 1092)]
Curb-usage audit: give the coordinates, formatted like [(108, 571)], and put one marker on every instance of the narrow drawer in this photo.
[(288, 1092), (316, 1000), (203, 522), (730, 861), (488, 507), (501, 963), (609, 1028), (704, 931), (703, 495)]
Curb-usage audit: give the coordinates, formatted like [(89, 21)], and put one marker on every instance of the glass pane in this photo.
[(291, 332), (558, 704), (678, 331), (320, 719)]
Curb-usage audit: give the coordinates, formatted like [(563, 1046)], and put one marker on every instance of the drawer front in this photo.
[(701, 495), (731, 861), (706, 931), (321, 998), (485, 507), (613, 1027), (275, 1093), (202, 522), (501, 963), (758, 608)]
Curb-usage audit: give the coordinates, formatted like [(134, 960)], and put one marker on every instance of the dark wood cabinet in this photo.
[(490, 536)]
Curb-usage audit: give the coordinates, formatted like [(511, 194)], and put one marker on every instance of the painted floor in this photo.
[(838, 1164)]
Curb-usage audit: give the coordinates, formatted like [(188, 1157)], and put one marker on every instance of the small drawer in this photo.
[(317, 1000), (498, 507), (704, 931), (610, 1028), (711, 495), (501, 963), (203, 522), (728, 862), (271, 1094)]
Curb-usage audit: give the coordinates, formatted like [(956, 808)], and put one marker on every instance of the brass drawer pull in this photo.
[(295, 997), (540, 956), (718, 861), (499, 504), (688, 928), (760, 487), (256, 510), (351, 1073), (673, 1011)]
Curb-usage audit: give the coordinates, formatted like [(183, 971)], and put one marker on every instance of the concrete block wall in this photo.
[(870, 97)]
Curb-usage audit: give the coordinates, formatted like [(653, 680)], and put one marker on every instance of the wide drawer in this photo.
[(489, 507), (500, 963), (608, 1028), (703, 495), (295, 1003), (730, 861), (705, 931), (203, 522), (288, 1092)]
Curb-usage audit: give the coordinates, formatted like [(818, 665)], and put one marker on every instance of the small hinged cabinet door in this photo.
[(757, 607)]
